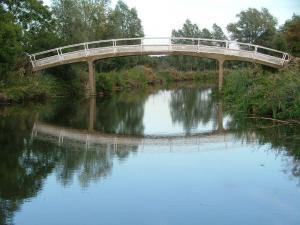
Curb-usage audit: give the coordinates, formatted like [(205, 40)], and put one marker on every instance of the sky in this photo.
[(159, 17)]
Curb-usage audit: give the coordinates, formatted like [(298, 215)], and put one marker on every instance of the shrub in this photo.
[(264, 93)]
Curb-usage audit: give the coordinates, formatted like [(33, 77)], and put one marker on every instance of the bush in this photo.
[(141, 76), (22, 88), (264, 93)]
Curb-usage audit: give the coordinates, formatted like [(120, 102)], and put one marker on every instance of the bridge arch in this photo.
[(220, 50)]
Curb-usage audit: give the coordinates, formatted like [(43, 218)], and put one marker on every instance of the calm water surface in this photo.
[(158, 157)]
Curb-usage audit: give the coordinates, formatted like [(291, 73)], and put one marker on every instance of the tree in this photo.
[(192, 30), (205, 33), (81, 20), (26, 26), (279, 41), (253, 26), (124, 22), (10, 43), (217, 33), (34, 18), (69, 22), (291, 33), (188, 30)]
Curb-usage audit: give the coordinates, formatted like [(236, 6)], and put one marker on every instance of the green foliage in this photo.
[(279, 42), (188, 63), (192, 30), (81, 20), (70, 79), (89, 20), (36, 22), (125, 79), (291, 33), (24, 88), (124, 22), (188, 29), (10, 46), (217, 33), (254, 26), (30, 26), (141, 76), (261, 93)]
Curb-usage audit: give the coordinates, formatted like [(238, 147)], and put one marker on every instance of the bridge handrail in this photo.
[(85, 45)]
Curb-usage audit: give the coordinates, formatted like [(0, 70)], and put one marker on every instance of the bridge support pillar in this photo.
[(92, 115), (221, 72), (92, 81)]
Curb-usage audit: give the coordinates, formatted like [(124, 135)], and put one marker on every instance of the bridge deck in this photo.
[(207, 48), (65, 135)]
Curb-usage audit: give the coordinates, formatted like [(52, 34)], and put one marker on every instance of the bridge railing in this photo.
[(171, 44)]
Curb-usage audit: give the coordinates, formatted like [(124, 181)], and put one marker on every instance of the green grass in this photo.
[(263, 93)]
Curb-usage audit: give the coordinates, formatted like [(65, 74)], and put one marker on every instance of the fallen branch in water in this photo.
[(295, 121), (272, 126), (267, 118)]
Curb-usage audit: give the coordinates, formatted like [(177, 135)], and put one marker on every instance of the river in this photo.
[(162, 156)]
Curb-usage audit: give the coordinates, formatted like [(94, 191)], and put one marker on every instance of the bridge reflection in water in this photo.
[(73, 146), (91, 138)]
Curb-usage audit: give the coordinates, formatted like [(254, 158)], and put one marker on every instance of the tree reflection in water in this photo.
[(282, 138), (24, 165), (121, 114), (191, 106), (22, 169), (88, 165)]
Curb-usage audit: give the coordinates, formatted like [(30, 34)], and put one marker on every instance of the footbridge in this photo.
[(220, 50), (88, 140)]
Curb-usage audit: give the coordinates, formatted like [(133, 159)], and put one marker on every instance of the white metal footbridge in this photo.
[(220, 50)]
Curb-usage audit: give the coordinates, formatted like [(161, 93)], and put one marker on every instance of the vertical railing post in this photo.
[(114, 46), (255, 51), (198, 44), (33, 65), (142, 45), (170, 43), (61, 54), (86, 49), (283, 58), (58, 54)]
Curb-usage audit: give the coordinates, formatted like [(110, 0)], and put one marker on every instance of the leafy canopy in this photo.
[(253, 26)]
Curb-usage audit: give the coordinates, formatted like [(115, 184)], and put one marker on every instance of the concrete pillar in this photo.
[(92, 113), (92, 80), (221, 73)]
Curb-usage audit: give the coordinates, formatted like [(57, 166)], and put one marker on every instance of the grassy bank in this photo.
[(22, 88), (265, 94), (64, 81), (141, 77), (71, 82)]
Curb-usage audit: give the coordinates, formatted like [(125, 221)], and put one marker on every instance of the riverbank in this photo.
[(42, 86), (22, 89), (261, 93), (141, 77)]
